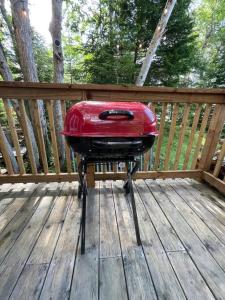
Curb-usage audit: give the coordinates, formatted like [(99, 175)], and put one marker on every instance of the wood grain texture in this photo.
[(138, 277), (181, 256), (192, 135), (160, 137), (55, 91), (27, 137), (171, 136), (211, 272), (200, 136), (181, 135), (213, 181), (85, 279), (14, 136), (213, 135), (49, 105)]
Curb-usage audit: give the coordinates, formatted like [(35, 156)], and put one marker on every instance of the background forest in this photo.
[(106, 42)]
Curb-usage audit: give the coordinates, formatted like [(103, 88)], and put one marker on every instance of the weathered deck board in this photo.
[(85, 278), (182, 256), (15, 260), (208, 267), (139, 281)]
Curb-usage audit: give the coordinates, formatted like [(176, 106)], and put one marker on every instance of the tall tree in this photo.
[(155, 42), (6, 74), (23, 36), (55, 29), (118, 39)]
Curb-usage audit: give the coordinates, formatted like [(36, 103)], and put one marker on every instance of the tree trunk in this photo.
[(8, 22), (55, 30), (7, 76), (155, 42), (23, 35), (10, 153)]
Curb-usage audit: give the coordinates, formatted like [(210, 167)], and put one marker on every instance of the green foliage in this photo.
[(119, 33), (210, 24), (43, 58)]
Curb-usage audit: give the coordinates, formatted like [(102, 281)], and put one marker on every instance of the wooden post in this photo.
[(215, 127), (91, 175)]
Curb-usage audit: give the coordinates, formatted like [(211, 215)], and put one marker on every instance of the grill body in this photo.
[(110, 130)]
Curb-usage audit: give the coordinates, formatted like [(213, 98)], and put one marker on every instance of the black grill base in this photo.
[(110, 147)]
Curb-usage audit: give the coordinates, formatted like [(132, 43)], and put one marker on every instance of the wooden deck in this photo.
[(182, 225)]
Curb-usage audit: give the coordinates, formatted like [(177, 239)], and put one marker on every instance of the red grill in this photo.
[(110, 130), (106, 132)]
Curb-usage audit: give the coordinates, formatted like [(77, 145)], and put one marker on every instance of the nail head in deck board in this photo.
[(109, 238), (207, 266), (112, 280), (59, 276), (167, 234), (16, 258), (85, 278), (163, 276), (207, 237), (138, 278), (191, 280)]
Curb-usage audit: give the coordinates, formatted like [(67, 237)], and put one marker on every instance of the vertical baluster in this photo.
[(67, 148), (40, 137), (171, 135), (53, 135), (192, 135), (147, 155), (215, 128), (160, 138), (14, 136), (181, 136), (200, 136), (27, 137)]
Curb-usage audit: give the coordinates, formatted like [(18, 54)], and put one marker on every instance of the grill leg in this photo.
[(129, 189), (83, 219), (84, 197)]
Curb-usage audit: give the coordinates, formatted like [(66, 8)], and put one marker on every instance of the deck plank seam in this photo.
[(48, 214), (190, 256), (12, 192), (49, 264), (121, 249), (201, 202), (18, 211), (150, 219), (202, 220), (25, 224)]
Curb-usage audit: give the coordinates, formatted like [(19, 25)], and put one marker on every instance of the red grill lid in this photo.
[(109, 119)]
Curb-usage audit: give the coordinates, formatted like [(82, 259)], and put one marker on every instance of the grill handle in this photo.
[(108, 113)]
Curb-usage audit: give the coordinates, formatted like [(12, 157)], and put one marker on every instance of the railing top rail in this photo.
[(109, 92)]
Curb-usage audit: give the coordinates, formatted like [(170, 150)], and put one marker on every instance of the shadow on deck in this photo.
[(182, 224)]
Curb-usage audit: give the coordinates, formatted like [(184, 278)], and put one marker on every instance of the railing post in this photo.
[(91, 175), (215, 127)]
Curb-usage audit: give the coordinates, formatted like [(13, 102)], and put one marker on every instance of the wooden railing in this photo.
[(190, 129)]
